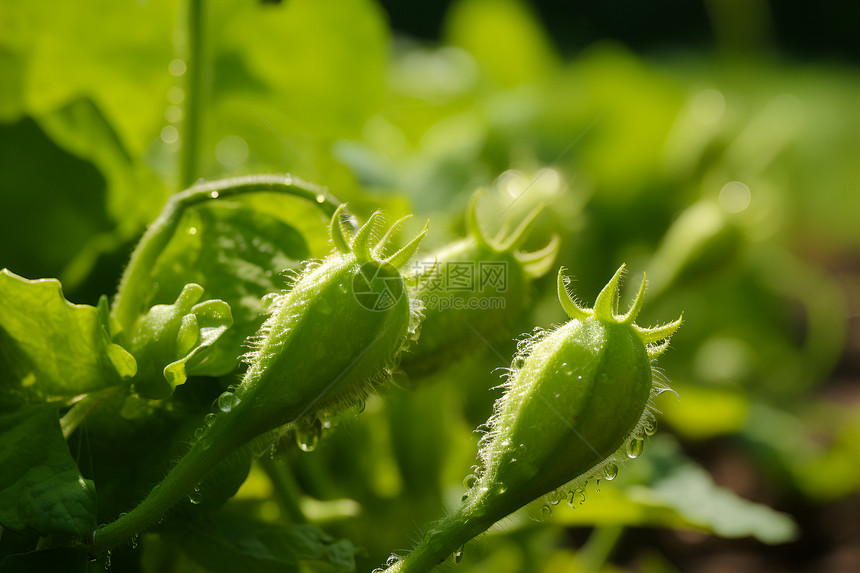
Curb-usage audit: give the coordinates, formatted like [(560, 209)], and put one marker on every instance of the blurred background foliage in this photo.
[(711, 144)]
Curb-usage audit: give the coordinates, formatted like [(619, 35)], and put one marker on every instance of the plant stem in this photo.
[(440, 542), (136, 283), (218, 443), (286, 489), (83, 408), (188, 168), (599, 547)]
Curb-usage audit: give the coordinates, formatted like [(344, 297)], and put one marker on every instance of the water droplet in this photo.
[(308, 437), (209, 419), (288, 179), (571, 499), (192, 230), (519, 361), (227, 401), (635, 447), (554, 501), (199, 433), (650, 427), (268, 300), (320, 198), (214, 195), (610, 472), (464, 497), (459, 555), (469, 481), (194, 496), (392, 560), (545, 512), (502, 488)]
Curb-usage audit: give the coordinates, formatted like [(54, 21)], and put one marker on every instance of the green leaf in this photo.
[(51, 349), (236, 251), (169, 341), (73, 559), (67, 51), (41, 488), (665, 489), (505, 37), (229, 543)]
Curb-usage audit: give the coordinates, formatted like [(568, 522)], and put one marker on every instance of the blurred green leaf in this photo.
[(52, 349), (41, 488), (52, 203), (505, 38), (229, 543), (67, 52), (55, 560), (666, 489)]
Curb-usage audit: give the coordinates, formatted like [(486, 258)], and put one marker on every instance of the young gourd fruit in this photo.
[(577, 399), (327, 342), (474, 291)]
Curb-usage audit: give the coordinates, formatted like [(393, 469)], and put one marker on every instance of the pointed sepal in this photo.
[(472, 221), (361, 243), (338, 239), (636, 307), (386, 238), (401, 257), (658, 333), (606, 305), (570, 307), (519, 234), (538, 263)]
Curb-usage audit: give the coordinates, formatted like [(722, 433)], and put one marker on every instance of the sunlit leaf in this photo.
[(41, 489)]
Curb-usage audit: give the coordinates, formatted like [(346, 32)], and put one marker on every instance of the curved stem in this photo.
[(188, 168), (440, 542), (135, 284), (218, 443), (286, 489), (599, 546)]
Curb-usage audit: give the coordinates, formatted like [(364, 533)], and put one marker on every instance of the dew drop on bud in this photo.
[(308, 437), (611, 472), (227, 401), (459, 555), (470, 480), (199, 432), (195, 497), (635, 446), (545, 512), (392, 560), (209, 419), (650, 427), (268, 300)]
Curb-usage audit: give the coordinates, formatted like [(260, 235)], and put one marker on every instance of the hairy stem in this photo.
[(286, 489), (599, 546), (220, 441), (188, 168), (131, 299), (441, 541)]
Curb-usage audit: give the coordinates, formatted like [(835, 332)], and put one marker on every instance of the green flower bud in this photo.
[(474, 291)]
